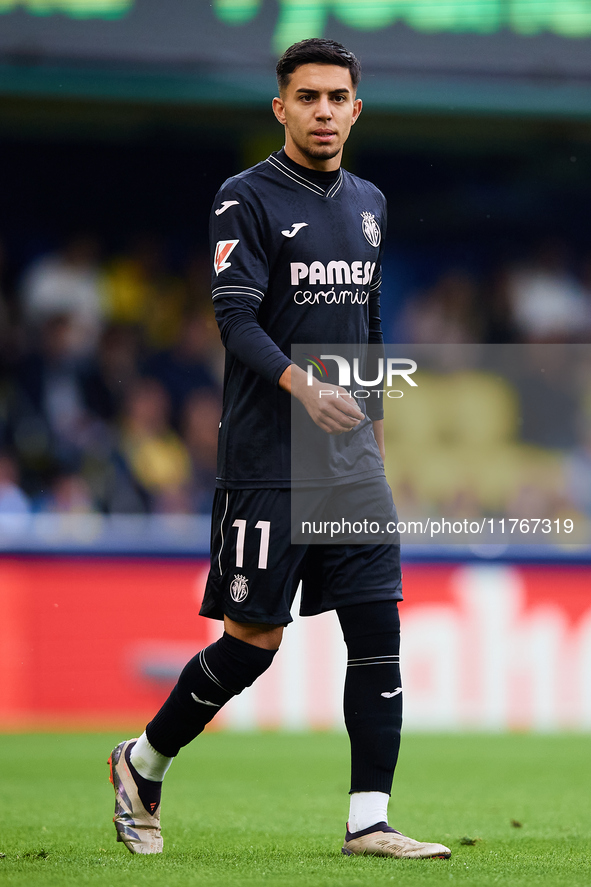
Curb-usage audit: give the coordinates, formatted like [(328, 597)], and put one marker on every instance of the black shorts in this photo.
[(255, 570)]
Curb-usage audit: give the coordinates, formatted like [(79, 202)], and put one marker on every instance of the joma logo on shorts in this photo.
[(334, 272)]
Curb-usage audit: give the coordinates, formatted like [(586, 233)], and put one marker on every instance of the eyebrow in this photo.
[(309, 89)]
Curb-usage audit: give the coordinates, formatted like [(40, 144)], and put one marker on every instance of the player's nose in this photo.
[(323, 109)]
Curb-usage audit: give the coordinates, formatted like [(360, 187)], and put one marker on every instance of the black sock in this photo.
[(205, 684), (148, 791), (373, 693)]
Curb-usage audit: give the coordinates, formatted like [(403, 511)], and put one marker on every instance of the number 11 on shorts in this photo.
[(265, 527)]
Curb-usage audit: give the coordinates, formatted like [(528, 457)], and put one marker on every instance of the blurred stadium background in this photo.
[(119, 120)]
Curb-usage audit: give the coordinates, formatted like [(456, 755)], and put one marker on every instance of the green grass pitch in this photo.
[(269, 809)]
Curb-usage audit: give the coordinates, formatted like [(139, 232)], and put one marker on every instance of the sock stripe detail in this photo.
[(374, 660), (209, 672), (382, 656)]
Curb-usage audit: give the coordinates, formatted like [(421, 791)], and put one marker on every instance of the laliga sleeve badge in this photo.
[(239, 588), (223, 248)]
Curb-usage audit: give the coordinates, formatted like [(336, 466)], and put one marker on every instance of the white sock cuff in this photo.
[(366, 809), (148, 762)]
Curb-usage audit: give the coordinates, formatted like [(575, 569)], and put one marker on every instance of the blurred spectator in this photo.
[(546, 379), (154, 456), (187, 366), (198, 276), (50, 391), (15, 506), (498, 321), (200, 425), (585, 276), (140, 291), (69, 494), (67, 282), (4, 313), (107, 378), (11, 338), (6, 338), (548, 304), (447, 313), (578, 471)]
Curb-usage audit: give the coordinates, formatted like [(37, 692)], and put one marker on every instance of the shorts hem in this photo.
[(366, 598), (215, 612)]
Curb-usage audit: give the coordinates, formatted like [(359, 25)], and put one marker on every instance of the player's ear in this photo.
[(357, 106), (279, 110)]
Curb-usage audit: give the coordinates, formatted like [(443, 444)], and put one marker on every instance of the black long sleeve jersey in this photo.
[(296, 259)]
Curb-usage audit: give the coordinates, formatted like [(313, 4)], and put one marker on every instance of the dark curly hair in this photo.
[(318, 51)]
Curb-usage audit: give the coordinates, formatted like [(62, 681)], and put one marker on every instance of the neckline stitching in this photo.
[(306, 183)]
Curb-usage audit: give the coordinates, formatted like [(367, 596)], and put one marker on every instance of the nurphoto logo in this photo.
[(402, 367)]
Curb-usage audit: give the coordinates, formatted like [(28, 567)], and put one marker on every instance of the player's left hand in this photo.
[(331, 407)]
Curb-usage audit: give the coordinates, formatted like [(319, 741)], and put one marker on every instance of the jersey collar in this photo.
[(325, 184)]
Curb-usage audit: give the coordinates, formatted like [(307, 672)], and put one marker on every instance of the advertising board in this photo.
[(99, 644)]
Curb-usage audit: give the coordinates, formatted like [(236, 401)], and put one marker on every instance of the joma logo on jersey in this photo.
[(334, 272), (223, 248)]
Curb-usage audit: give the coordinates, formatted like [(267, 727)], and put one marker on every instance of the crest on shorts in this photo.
[(371, 229), (239, 588)]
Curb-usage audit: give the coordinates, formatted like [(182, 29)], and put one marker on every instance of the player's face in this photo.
[(318, 108)]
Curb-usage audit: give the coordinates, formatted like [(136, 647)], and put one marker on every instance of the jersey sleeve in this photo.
[(374, 407), (240, 274)]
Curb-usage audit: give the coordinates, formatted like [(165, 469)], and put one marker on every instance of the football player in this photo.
[(296, 252)]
